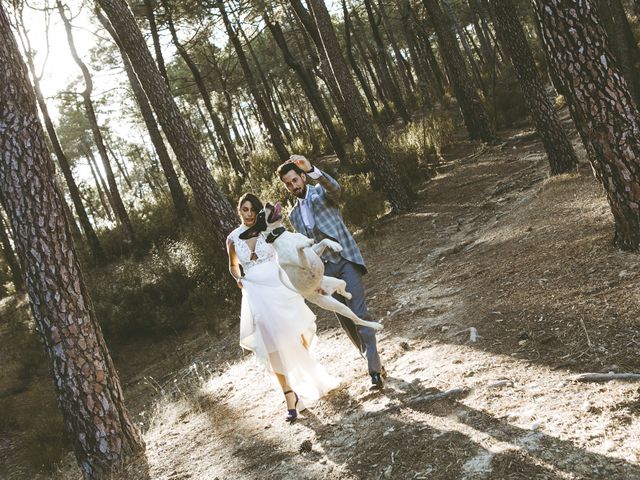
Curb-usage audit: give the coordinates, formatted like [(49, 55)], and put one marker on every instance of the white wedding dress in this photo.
[(274, 320)]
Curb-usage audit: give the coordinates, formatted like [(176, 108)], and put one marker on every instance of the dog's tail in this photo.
[(285, 280)]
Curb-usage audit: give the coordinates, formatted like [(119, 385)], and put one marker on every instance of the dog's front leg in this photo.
[(301, 244), (321, 246)]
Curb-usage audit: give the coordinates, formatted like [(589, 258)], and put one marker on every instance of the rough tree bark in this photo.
[(560, 153), (577, 48), (473, 112), (10, 257), (621, 42), (86, 382), (215, 207)]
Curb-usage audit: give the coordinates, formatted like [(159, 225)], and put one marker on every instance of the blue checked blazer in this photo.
[(328, 219)]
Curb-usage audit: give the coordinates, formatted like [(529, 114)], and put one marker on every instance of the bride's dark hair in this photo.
[(255, 202)]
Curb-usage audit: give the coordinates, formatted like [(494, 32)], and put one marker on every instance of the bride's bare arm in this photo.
[(234, 264)]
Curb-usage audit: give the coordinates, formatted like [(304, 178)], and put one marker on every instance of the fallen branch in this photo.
[(606, 377), (473, 334), (500, 383), (585, 331)]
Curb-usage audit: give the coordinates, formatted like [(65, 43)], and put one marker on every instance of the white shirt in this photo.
[(305, 203)]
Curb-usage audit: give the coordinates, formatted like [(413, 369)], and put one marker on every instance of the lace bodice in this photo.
[(264, 251)]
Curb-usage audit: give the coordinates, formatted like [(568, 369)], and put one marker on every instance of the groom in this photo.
[(317, 216)]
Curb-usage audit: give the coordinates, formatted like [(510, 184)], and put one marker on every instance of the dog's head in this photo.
[(267, 219)]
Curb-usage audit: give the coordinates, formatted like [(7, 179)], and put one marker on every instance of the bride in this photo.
[(275, 323)]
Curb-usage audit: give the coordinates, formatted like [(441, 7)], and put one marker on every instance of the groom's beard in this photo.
[(302, 193)]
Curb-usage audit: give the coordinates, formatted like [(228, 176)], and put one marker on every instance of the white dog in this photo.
[(299, 257)]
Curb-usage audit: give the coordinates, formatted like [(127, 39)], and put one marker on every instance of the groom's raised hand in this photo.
[(301, 162)]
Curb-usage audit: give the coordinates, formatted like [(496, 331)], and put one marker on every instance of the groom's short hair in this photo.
[(286, 167)]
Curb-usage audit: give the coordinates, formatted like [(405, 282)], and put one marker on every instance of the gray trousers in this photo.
[(364, 338)]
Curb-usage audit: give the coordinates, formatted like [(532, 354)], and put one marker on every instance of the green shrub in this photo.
[(361, 205), (507, 100), (154, 296)]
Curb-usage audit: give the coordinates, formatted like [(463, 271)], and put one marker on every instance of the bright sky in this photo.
[(60, 69)]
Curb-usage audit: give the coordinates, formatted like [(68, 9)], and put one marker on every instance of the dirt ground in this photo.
[(495, 252)]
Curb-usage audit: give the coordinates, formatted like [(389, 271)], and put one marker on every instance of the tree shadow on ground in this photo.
[(415, 437)]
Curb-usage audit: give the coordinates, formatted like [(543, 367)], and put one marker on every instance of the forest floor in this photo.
[(494, 247)]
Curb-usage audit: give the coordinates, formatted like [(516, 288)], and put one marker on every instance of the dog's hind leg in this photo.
[(322, 245), (330, 285), (329, 303)]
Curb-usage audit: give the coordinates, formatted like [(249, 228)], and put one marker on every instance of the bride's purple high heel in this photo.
[(292, 413)]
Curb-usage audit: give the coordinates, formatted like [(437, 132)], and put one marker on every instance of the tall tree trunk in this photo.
[(401, 62), (384, 170), (373, 71), (246, 128), (212, 138), (381, 53), (228, 112), (602, 108), (456, 29), (10, 257), (117, 158), (215, 207), (368, 94), (485, 44), (305, 20), (272, 104), (222, 133), (177, 193), (425, 45), (153, 28), (86, 383), (475, 116), (371, 62), (560, 153), (73, 226), (309, 86), (623, 46), (485, 11), (292, 120), (421, 70), (265, 115), (92, 239), (114, 193), (101, 187)]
